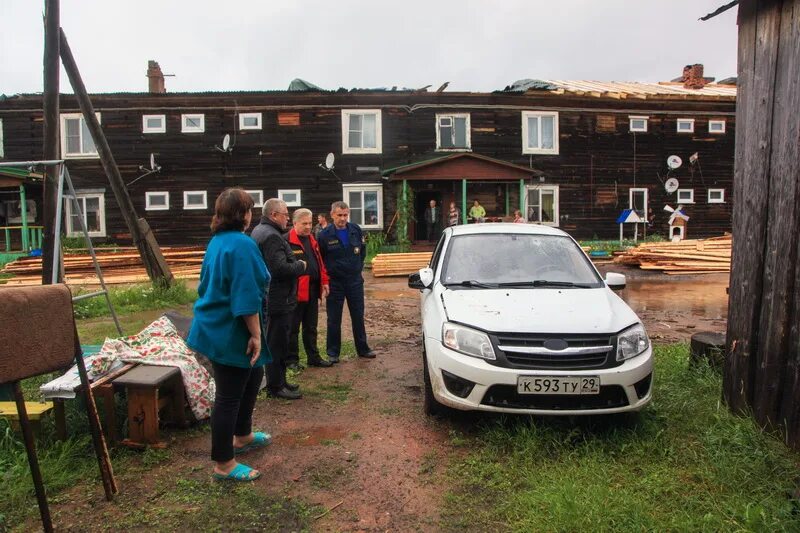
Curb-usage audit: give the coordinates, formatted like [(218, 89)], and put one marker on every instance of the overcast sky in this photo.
[(264, 44)]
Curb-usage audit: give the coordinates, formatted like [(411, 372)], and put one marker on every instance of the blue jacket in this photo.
[(233, 279), (343, 262)]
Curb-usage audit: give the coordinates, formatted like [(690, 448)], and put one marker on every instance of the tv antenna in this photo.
[(674, 162), (671, 185), (154, 169), (328, 165), (226, 147)]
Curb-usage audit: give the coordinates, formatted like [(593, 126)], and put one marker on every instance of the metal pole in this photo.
[(56, 274), (30, 163)]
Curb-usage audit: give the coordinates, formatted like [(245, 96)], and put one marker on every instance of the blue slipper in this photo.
[(239, 473), (260, 439)]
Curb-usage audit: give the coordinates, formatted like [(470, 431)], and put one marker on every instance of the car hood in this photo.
[(539, 310)]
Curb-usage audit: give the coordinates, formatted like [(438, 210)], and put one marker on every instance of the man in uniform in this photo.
[(282, 293), (343, 251), (311, 287)]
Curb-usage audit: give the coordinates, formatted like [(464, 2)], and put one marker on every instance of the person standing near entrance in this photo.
[(342, 248), (477, 213), (453, 215), (432, 216), (282, 294), (311, 287)]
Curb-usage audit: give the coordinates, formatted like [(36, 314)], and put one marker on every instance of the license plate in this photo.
[(558, 385)]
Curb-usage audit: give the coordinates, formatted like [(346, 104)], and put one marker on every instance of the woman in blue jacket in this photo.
[(227, 329)]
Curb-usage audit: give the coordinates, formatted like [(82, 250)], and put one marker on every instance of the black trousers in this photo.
[(351, 290), (306, 314), (433, 230), (278, 327), (232, 414)]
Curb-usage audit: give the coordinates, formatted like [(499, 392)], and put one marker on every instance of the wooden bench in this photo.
[(144, 386), (35, 410)]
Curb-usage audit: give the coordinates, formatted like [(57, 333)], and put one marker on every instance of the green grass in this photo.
[(611, 246), (136, 298), (686, 464)]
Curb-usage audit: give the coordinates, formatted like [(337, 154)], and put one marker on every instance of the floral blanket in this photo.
[(160, 344)]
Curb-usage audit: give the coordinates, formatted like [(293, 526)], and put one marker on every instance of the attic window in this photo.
[(716, 196), (195, 200), (685, 196), (249, 121), (154, 124), (156, 201), (685, 125), (195, 123), (716, 126), (638, 124), (452, 132)]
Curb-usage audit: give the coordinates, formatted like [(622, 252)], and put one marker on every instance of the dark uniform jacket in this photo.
[(343, 263), (282, 265)]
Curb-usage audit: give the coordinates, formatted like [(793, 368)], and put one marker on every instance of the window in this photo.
[(194, 200), (154, 123), (638, 124), (76, 141), (539, 132), (92, 210), (290, 196), (249, 121), (366, 204), (685, 196), (716, 126), (156, 201), (452, 132), (361, 131), (716, 196), (638, 202), (193, 123), (2, 153), (541, 205), (685, 125), (258, 198)]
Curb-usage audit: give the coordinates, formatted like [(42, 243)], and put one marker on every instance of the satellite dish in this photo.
[(226, 142), (147, 171), (674, 161), (152, 161), (671, 185), (329, 161)]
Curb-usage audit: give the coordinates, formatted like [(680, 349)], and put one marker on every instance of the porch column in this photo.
[(522, 198), (404, 227), (24, 212), (508, 202), (463, 201)]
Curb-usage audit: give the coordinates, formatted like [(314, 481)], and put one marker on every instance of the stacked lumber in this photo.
[(118, 266), (698, 256), (399, 264)]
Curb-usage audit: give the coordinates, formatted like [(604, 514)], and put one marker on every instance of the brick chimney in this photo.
[(156, 78), (693, 76)]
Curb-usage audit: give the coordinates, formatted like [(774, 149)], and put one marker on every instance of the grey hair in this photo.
[(339, 205), (301, 213), (272, 205)]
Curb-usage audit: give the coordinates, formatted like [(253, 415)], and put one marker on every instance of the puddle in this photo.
[(310, 436), (703, 298)]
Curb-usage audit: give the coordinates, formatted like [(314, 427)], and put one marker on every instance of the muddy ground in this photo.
[(357, 448)]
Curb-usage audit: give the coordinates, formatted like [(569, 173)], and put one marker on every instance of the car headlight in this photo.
[(632, 342), (467, 341)]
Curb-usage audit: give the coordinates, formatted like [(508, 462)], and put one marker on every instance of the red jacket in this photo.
[(300, 253)]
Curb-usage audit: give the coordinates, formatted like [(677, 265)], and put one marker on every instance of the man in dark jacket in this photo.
[(311, 288), (433, 214), (343, 250), (282, 293)]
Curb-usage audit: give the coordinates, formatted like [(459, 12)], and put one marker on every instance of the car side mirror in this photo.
[(421, 280), (615, 282)]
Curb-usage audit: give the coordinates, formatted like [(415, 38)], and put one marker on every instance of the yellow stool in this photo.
[(35, 412)]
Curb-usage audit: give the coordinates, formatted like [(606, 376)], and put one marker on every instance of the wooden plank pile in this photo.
[(698, 256), (399, 264), (123, 265)]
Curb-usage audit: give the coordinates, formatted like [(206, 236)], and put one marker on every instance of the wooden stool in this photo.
[(143, 385), (35, 410)]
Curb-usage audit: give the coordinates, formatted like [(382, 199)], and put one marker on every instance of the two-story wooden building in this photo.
[(569, 154)]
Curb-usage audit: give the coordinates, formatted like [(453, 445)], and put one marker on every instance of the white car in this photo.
[(516, 319)]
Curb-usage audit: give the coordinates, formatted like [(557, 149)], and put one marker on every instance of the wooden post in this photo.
[(463, 201), (50, 148), (23, 208), (762, 369), (522, 199), (151, 255), (404, 229)]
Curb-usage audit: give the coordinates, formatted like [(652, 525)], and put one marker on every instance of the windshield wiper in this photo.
[(471, 283), (544, 283)]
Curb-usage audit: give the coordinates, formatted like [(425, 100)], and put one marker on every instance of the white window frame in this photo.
[(76, 232), (81, 155), (720, 200), (259, 194), (2, 150), (347, 188), (717, 132), (193, 129), (680, 121), (538, 189), (689, 200), (298, 192), (257, 116), (545, 151), (186, 197), (631, 118), (452, 117), (646, 191), (148, 205), (159, 129), (346, 149)]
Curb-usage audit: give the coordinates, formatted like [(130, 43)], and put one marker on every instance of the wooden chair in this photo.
[(38, 336)]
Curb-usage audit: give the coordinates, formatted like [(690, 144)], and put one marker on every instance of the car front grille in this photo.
[(554, 352), (506, 396)]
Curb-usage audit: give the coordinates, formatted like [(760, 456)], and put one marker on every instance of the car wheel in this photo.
[(429, 404)]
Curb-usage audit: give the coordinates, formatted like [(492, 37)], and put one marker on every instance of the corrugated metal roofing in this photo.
[(616, 89)]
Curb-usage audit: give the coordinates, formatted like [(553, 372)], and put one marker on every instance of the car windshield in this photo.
[(516, 259)]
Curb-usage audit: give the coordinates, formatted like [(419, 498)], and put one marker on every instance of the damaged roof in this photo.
[(617, 89)]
